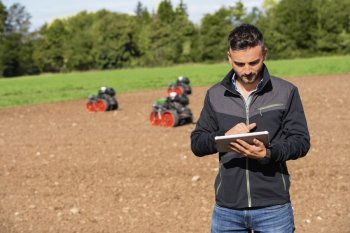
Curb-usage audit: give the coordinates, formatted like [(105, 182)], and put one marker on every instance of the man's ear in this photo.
[(265, 53), (228, 55)]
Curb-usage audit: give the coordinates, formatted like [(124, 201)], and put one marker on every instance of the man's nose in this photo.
[(247, 70)]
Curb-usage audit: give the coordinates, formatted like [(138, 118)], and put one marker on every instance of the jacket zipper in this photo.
[(247, 161)]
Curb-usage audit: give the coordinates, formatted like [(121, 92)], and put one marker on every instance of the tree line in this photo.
[(112, 40)]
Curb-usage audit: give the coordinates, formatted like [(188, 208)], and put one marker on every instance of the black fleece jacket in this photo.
[(275, 107)]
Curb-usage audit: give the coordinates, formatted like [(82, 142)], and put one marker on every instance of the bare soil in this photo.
[(63, 169)]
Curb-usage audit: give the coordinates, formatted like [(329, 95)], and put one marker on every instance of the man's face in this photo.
[(247, 63)]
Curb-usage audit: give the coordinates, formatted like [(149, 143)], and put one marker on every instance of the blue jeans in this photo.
[(273, 219)]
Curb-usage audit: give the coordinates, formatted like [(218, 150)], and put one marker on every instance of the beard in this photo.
[(249, 78)]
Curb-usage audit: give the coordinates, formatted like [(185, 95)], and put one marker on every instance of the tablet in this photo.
[(222, 142)]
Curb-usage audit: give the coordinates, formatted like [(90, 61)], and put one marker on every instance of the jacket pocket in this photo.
[(270, 107)]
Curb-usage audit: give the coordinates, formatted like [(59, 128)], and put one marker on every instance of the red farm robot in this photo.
[(104, 101), (173, 111)]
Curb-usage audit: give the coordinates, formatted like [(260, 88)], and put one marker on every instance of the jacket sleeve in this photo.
[(295, 140), (203, 136)]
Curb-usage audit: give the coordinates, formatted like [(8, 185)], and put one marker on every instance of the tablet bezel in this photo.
[(222, 142)]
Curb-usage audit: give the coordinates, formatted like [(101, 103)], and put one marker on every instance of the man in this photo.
[(252, 185)]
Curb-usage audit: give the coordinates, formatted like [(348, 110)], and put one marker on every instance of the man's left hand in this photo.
[(255, 151)]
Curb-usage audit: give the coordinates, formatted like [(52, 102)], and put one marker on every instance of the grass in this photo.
[(79, 85)]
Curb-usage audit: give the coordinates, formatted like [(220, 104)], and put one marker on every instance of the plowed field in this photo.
[(63, 169)]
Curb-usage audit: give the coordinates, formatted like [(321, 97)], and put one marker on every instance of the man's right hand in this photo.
[(240, 128)]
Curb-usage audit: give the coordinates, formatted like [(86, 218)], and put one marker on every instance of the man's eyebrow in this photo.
[(255, 61), (239, 63), (251, 62)]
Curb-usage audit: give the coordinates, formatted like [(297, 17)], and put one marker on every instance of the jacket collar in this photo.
[(227, 81)]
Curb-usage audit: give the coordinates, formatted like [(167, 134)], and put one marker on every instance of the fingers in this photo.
[(246, 128), (240, 147), (254, 151), (251, 126), (241, 128), (234, 146), (258, 143)]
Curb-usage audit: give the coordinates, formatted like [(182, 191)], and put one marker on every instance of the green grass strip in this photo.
[(47, 88)]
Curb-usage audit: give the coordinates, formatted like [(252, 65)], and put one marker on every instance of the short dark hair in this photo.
[(245, 36)]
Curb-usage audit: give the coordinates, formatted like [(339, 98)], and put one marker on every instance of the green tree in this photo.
[(114, 44), (253, 16), (294, 28), (163, 49), (294, 25), (274, 40), (238, 13), (16, 55), (2, 29), (78, 50), (165, 12), (17, 20), (3, 14), (181, 9), (183, 36), (49, 52), (142, 32), (215, 28), (333, 35), (213, 31), (142, 13)]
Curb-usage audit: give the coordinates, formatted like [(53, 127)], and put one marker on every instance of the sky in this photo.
[(46, 11)]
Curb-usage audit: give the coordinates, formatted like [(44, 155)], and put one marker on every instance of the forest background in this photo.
[(104, 39)]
